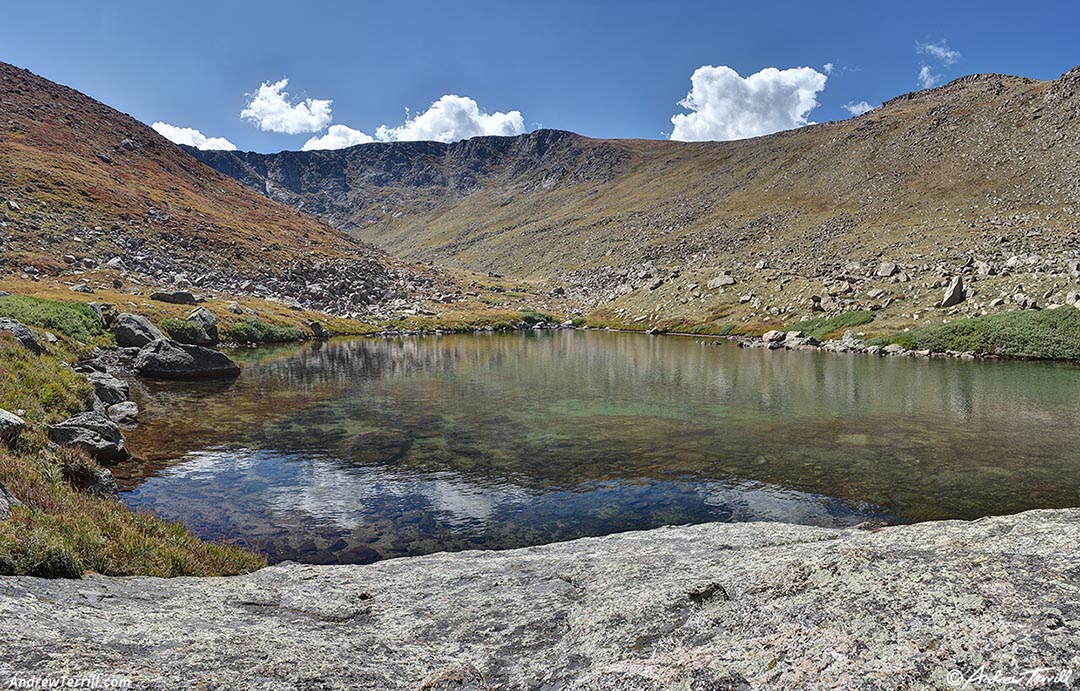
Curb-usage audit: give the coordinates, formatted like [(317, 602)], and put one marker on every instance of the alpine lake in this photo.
[(357, 450)]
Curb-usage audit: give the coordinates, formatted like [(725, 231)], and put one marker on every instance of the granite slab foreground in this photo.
[(977, 605)]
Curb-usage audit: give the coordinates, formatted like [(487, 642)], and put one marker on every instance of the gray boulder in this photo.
[(134, 331), (7, 501), (95, 434), (23, 335), (95, 480), (125, 413), (171, 360), (886, 269), (724, 279), (179, 297), (11, 426), (954, 294), (108, 388), (319, 331), (208, 321)]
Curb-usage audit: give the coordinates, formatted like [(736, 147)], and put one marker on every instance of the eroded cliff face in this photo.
[(761, 606)]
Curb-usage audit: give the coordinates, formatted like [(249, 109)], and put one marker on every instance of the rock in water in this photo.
[(23, 335), (954, 294), (108, 388), (125, 413), (319, 331), (11, 426), (208, 321), (95, 434), (134, 331), (167, 359)]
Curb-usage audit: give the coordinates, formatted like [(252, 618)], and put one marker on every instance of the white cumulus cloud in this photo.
[(927, 78), (728, 106), (192, 137), (858, 108), (452, 118), (939, 50), (338, 137), (271, 110), (828, 67)]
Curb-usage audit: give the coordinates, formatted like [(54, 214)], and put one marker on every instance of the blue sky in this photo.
[(603, 69)]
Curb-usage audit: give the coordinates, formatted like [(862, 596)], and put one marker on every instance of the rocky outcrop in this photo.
[(7, 502), (95, 434), (167, 359), (735, 606), (22, 334), (11, 426), (135, 331), (206, 319)]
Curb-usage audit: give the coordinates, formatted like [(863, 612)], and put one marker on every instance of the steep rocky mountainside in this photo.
[(85, 188), (980, 177)]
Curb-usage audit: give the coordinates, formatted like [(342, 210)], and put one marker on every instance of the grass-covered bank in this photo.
[(60, 530), (1045, 335)]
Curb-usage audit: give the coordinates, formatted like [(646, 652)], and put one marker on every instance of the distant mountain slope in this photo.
[(984, 168), (78, 178)]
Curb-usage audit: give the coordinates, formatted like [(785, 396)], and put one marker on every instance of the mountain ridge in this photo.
[(933, 180)]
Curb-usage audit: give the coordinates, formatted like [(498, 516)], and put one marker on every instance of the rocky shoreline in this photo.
[(716, 606)]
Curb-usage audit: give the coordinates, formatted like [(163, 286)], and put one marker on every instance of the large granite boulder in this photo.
[(134, 331), (23, 335), (95, 434), (694, 608), (11, 426), (171, 360)]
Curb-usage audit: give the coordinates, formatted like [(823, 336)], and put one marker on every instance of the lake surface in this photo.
[(351, 451)]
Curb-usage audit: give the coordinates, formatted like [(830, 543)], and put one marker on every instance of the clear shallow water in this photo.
[(357, 450)]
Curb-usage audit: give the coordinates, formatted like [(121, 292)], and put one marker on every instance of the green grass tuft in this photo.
[(74, 320), (825, 327), (251, 330), (184, 331)]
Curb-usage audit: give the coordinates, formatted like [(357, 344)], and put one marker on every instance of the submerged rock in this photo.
[(715, 606), (135, 331), (167, 359), (379, 447), (95, 434)]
